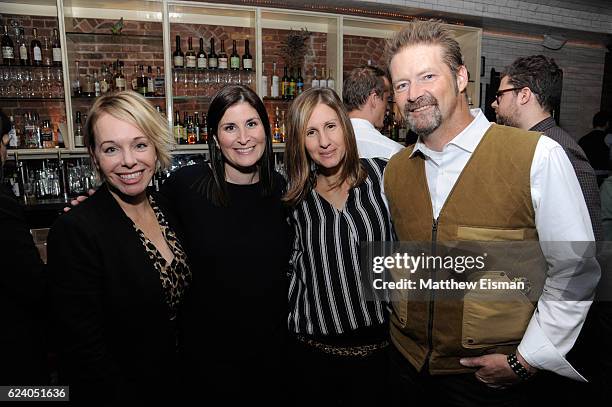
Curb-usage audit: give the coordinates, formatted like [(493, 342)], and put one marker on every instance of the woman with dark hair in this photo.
[(237, 239), (22, 351), (338, 202)]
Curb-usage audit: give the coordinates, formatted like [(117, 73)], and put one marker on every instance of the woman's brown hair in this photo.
[(301, 170)]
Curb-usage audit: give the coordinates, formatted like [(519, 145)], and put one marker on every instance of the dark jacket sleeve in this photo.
[(77, 293), (22, 276)]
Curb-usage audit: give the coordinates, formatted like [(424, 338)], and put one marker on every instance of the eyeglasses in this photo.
[(500, 93)]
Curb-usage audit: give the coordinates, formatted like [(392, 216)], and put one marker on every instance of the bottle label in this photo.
[(315, 83), (37, 54), (235, 63), (57, 55), (134, 84), (46, 136), (13, 138), (247, 63), (103, 87), (222, 63), (178, 61), (97, 88), (150, 86), (23, 52), (331, 83), (202, 62), (8, 52), (275, 85), (120, 83), (212, 62), (191, 61)]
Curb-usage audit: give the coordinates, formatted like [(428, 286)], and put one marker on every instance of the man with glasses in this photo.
[(529, 90), (365, 93)]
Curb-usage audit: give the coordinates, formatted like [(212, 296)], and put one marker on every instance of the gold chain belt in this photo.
[(359, 351)]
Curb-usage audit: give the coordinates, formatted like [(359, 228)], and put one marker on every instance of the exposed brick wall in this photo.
[(53, 110), (359, 50), (582, 75)]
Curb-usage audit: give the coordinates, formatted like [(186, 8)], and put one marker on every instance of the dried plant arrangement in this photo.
[(293, 50)]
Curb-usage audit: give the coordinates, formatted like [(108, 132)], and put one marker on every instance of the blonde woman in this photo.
[(117, 268), (337, 202)]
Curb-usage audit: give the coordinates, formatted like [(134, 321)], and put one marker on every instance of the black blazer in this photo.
[(116, 342), (22, 352)]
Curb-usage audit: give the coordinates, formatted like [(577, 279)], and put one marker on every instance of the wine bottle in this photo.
[(274, 90), (178, 54), (330, 79), (213, 60), (24, 55), (285, 85), (160, 83), (202, 59), (190, 56), (299, 83), (8, 50), (315, 80), (247, 59), (234, 58), (57, 49), (292, 85), (222, 56), (36, 49), (150, 82)]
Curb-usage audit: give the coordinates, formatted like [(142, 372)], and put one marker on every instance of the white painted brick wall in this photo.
[(582, 75), (587, 15)]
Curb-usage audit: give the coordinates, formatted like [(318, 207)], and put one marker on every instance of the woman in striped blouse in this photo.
[(337, 202)]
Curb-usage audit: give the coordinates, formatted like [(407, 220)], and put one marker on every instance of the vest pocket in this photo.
[(489, 234), (494, 317)]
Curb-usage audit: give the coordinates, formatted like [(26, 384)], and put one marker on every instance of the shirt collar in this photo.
[(361, 123), (467, 140)]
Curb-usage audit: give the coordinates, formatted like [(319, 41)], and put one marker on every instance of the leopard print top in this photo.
[(176, 276)]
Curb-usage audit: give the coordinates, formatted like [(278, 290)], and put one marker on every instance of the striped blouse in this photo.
[(326, 296)]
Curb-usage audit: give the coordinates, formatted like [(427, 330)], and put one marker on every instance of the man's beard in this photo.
[(424, 125), (506, 120)]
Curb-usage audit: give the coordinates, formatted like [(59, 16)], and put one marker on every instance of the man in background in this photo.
[(365, 94), (594, 145), (529, 89)]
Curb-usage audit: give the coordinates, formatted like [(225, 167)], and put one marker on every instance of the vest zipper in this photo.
[(432, 293)]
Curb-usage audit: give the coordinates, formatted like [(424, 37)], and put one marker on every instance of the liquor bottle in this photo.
[(97, 90), (292, 85), (276, 131), (323, 80), (285, 85), (283, 128), (47, 53), (36, 49), (150, 82), (196, 126), (178, 128), (46, 135), (299, 83), (264, 81), (104, 85), (190, 56), (178, 54), (8, 50), (57, 49), (24, 55), (202, 59), (134, 81), (76, 85), (222, 56), (141, 81), (315, 80), (204, 129), (247, 59), (184, 134), (191, 132), (88, 87), (213, 60), (13, 140), (78, 131), (330, 79), (274, 90), (30, 133), (120, 82), (160, 83), (234, 58)]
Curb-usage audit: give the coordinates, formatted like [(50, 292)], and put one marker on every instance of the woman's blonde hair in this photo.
[(301, 170), (133, 108)]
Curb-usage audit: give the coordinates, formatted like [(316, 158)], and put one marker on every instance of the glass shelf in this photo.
[(95, 38)]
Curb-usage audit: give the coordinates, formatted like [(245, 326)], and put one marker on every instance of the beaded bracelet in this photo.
[(517, 367)]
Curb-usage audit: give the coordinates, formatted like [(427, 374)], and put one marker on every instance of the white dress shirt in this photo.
[(371, 143), (561, 215)]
